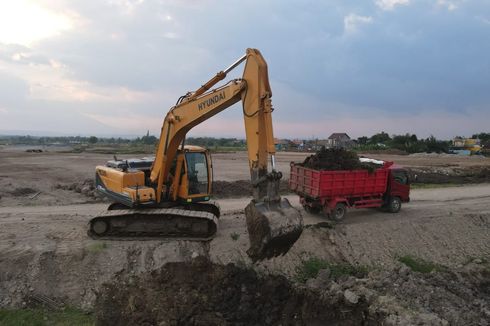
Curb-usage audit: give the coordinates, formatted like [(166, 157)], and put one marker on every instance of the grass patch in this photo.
[(310, 268), (235, 236), (97, 247), (419, 265), (41, 317)]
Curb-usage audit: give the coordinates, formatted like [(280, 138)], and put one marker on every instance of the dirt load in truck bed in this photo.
[(334, 159)]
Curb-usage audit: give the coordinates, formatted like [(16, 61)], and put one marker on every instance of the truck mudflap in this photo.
[(273, 228)]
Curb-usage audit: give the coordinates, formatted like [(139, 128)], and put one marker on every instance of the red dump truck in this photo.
[(332, 192)]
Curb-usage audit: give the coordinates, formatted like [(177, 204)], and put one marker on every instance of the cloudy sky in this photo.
[(115, 67)]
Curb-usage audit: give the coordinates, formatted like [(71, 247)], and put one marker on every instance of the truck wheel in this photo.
[(311, 210), (338, 213), (394, 205)]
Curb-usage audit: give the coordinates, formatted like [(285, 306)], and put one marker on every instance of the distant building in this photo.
[(317, 144), (458, 142), (282, 144), (298, 144), (340, 140), (466, 146)]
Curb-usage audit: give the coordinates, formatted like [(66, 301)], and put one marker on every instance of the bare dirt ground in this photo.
[(40, 175), (45, 255)]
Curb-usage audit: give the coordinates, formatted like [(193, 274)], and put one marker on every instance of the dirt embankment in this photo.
[(452, 175), (85, 187), (221, 189), (240, 188), (243, 188), (46, 256), (67, 178), (202, 293)]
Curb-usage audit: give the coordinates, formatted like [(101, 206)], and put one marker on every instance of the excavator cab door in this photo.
[(197, 177)]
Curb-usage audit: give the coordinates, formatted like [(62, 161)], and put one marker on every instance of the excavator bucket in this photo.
[(273, 228)]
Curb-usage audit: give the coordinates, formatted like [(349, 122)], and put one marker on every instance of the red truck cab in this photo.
[(398, 184), (333, 192)]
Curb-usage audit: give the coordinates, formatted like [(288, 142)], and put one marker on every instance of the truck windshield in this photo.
[(197, 172)]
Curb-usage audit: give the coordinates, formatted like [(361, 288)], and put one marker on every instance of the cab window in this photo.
[(197, 172), (400, 176)]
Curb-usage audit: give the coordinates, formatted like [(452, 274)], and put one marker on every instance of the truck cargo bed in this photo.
[(320, 184)]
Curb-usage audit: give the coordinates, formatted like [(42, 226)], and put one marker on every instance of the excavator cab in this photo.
[(193, 165), (197, 174), (123, 181)]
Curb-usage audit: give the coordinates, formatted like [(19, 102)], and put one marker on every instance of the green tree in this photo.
[(93, 140), (408, 143), (436, 146), (362, 140), (148, 140), (380, 138), (483, 136)]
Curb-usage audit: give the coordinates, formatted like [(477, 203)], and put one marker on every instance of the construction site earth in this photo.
[(366, 275)]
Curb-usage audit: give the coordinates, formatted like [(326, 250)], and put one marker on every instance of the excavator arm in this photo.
[(272, 223), (182, 118), (255, 93)]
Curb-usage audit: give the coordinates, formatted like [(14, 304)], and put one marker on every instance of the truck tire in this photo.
[(394, 205), (339, 212), (311, 210)]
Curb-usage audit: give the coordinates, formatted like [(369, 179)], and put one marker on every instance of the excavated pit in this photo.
[(202, 293)]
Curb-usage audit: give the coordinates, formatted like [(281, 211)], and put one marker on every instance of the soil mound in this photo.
[(240, 188), (449, 175), (335, 159), (459, 297), (23, 191), (201, 293), (85, 187), (221, 189)]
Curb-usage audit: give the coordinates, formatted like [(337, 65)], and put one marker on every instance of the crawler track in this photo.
[(154, 223)]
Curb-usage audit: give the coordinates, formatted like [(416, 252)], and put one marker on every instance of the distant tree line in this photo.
[(64, 140), (208, 142), (409, 143), (483, 136)]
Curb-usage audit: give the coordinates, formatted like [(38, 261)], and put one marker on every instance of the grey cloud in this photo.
[(19, 54), (13, 91), (410, 60)]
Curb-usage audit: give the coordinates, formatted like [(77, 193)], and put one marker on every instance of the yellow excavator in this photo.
[(169, 195)]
